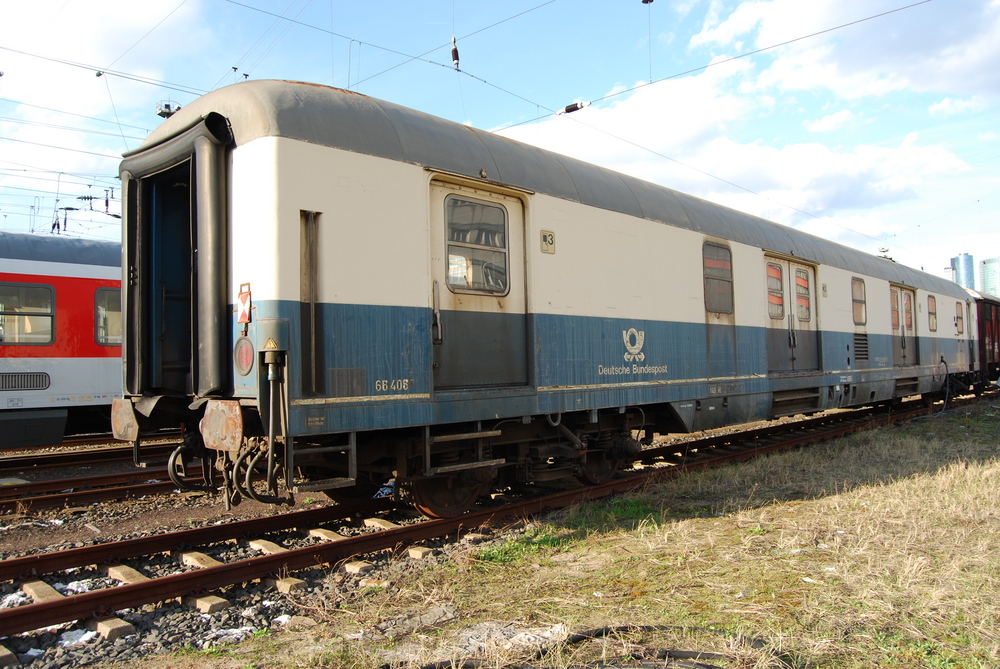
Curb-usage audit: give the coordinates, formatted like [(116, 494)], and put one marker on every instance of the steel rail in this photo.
[(44, 563), (37, 488), (104, 602), (88, 496), (81, 457)]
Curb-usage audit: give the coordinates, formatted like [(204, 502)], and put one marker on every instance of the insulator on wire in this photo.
[(454, 53), (576, 106)]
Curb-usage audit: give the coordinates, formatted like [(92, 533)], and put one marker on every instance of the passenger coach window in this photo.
[(26, 314), (932, 312), (802, 295), (718, 279), (858, 299), (959, 319), (775, 292), (477, 246), (108, 316)]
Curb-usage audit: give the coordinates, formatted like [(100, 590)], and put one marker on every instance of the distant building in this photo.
[(989, 276), (963, 271)]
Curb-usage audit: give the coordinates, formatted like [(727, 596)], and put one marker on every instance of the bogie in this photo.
[(503, 315)]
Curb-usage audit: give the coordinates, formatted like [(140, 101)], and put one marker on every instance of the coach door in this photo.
[(902, 302), (478, 293), (792, 341)]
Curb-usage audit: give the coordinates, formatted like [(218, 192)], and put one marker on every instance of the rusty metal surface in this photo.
[(77, 497), (222, 425), (32, 488), (81, 457), (123, 420), (43, 563), (104, 602)]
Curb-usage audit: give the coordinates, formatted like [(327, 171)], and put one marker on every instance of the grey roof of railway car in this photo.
[(54, 248), (354, 122)]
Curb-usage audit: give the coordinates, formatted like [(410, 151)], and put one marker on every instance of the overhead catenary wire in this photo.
[(358, 80), (149, 32), (53, 126), (506, 91), (114, 109), (578, 105), (724, 61), (62, 148), (277, 20), (409, 57), (68, 113), (109, 72)]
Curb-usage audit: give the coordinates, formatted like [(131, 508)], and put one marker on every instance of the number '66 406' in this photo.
[(383, 385)]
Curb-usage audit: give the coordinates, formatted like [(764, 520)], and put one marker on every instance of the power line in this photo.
[(474, 32), (95, 182), (113, 108), (309, 25), (61, 148), (121, 75), (67, 128), (60, 111), (183, 2), (705, 67), (409, 58), (746, 54)]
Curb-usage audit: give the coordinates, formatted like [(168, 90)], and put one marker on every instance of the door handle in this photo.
[(437, 334)]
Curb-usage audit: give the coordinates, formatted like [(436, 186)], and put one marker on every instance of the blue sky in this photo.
[(874, 123)]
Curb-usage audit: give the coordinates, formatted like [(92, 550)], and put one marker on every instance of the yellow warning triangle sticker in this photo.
[(271, 344)]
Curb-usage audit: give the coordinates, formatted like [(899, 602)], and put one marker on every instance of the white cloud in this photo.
[(831, 122), (930, 47), (689, 144), (951, 106)]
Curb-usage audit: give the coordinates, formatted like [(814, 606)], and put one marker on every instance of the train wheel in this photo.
[(600, 467), (446, 497)]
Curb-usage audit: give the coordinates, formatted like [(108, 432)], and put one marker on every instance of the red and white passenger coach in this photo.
[(60, 337)]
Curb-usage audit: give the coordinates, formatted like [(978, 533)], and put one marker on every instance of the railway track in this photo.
[(66, 492), (658, 463), (37, 459), (100, 487)]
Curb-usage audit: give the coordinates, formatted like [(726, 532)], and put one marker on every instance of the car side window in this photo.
[(27, 313), (108, 316), (859, 304), (477, 246), (718, 265)]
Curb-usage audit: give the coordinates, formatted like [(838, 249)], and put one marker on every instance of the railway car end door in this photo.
[(792, 336), (478, 291)]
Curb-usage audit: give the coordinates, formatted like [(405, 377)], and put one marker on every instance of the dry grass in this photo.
[(880, 550)]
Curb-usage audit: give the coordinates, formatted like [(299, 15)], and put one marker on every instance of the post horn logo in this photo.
[(633, 343)]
